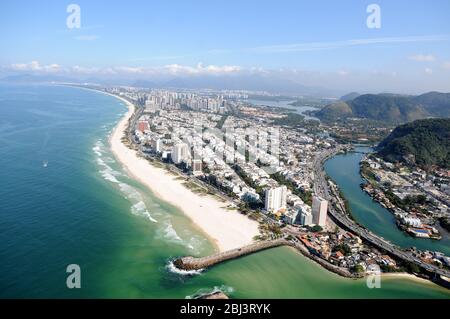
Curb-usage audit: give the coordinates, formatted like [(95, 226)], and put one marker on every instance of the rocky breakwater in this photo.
[(193, 263)]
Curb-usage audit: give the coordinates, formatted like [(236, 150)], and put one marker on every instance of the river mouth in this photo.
[(343, 169)]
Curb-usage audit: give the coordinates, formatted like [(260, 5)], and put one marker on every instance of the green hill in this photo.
[(435, 103), (349, 96), (423, 142), (335, 111), (389, 108)]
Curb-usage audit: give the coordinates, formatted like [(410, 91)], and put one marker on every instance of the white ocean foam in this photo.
[(169, 234), (140, 209), (98, 148), (195, 241), (138, 206), (130, 192), (108, 160), (109, 177), (97, 151), (172, 268), (107, 172), (207, 291)]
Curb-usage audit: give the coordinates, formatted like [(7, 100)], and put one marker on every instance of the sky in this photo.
[(314, 43)]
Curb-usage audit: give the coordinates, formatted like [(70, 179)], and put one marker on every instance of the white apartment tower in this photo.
[(306, 217), (180, 153), (319, 211), (157, 145), (275, 199)]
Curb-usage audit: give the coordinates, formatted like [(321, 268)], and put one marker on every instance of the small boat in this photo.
[(45, 163)]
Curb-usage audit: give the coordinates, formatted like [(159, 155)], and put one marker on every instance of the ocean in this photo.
[(64, 199)]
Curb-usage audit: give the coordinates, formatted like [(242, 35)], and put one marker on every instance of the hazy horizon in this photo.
[(293, 47)]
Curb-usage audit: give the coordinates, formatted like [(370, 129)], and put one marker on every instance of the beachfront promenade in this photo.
[(193, 263)]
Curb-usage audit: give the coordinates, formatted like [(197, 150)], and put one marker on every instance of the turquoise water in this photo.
[(344, 170), (83, 209)]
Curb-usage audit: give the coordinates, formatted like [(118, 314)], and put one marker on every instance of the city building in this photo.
[(306, 217), (275, 199), (157, 145), (143, 126), (319, 210), (196, 166), (180, 153)]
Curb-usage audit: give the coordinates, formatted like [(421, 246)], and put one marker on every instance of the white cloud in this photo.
[(200, 69), (171, 69), (343, 73), (422, 58), (36, 66), (428, 71)]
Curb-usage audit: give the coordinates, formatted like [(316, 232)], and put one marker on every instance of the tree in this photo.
[(358, 269)]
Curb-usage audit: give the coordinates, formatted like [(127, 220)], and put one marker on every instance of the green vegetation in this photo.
[(445, 223), (343, 248), (291, 119), (306, 196), (350, 96), (358, 269), (315, 229), (367, 172), (423, 142), (435, 103), (241, 173), (389, 108), (412, 267), (335, 111), (406, 203)]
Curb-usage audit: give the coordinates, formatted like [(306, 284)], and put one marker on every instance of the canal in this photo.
[(344, 170)]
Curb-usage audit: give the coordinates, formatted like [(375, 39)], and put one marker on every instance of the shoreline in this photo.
[(226, 229), (116, 137)]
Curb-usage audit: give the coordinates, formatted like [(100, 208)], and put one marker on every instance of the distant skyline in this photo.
[(322, 44)]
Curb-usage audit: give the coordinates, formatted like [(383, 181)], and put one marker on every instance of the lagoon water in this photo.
[(285, 104), (65, 200), (344, 170)]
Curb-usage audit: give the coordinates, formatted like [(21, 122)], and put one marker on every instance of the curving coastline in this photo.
[(226, 228)]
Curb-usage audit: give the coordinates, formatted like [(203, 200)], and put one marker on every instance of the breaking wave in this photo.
[(138, 206), (172, 268), (140, 209)]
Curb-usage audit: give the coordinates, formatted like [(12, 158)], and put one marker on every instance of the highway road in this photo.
[(337, 211)]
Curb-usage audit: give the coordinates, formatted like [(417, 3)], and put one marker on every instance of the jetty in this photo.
[(193, 263)]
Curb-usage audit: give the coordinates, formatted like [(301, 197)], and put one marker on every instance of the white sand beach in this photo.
[(227, 228)]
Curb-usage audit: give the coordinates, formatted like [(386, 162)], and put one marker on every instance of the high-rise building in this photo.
[(196, 166), (275, 199), (319, 210), (143, 126), (306, 218), (180, 153), (157, 145)]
